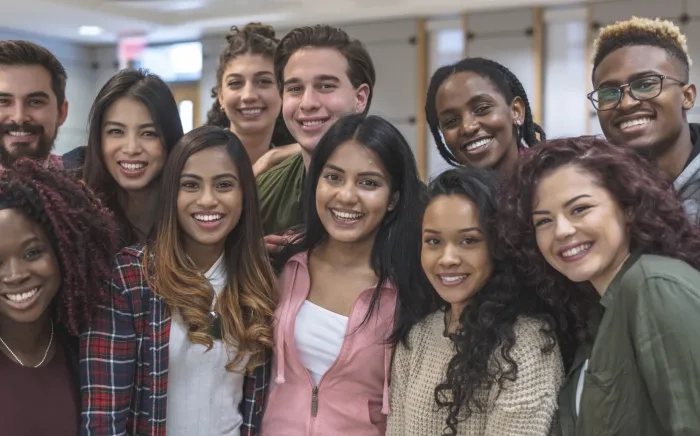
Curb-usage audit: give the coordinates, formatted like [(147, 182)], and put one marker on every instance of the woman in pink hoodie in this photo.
[(332, 355)]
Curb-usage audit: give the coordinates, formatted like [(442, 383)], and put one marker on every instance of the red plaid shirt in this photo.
[(124, 361)]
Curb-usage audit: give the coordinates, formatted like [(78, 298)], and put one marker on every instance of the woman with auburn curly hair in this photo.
[(55, 252), (183, 341), (480, 356), (589, 217)]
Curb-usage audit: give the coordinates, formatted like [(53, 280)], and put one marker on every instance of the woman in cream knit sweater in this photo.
[(476, 355)]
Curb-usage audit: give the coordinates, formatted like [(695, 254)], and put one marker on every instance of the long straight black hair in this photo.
[(395, 255), (151, 91)]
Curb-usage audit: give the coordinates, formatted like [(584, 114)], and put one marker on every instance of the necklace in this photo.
[(45, 354)]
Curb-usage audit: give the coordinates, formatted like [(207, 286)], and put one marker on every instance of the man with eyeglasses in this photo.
[(642, 94)]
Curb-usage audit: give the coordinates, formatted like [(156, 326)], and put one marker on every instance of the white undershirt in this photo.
[(203, 397), (318, 335), (579, 386)]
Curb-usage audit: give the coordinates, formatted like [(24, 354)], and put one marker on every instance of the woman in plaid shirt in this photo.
[(183, 341)]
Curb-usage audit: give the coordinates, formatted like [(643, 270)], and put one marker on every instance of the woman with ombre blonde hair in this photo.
[(183, 341)]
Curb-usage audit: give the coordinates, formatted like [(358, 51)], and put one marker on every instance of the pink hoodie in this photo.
[(352, 397)]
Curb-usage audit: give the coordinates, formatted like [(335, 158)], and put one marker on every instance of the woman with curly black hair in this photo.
[(55, 251), (485, 351), (479, 115), (592, 218)]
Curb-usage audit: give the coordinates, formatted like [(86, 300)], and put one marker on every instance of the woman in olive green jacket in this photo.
[(592, 219)]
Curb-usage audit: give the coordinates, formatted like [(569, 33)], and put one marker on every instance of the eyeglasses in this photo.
[(642, 89)]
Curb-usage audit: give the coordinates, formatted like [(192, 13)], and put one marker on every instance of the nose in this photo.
[(469, 125), (628, 102), (448, 257), (563, 228), (207, 198), (248, 93), (347, 194), (309, 101), (133, 144), (14, 273), (20, 114)]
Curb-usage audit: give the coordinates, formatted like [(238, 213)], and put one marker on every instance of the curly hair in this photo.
[(487, 323), (642, 31), (82, 233), (506, 82), (658, 223)]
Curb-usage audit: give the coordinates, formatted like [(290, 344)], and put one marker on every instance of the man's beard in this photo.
[(18, 150)]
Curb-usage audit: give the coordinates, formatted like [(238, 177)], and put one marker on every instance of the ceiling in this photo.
[(178, 20)]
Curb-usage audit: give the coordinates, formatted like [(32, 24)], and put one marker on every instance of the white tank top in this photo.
[(318, 335)]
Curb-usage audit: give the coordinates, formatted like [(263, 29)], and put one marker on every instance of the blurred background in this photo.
[(546, 43)]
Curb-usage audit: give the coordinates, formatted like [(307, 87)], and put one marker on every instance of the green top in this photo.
[(643, 375), (280, 190)]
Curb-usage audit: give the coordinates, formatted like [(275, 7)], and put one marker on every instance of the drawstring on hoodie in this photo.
[(386, 409), (279, 347)]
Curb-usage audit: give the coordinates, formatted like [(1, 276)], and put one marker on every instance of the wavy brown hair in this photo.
[(247, 303), (658, 224)]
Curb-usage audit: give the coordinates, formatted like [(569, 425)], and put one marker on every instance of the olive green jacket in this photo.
[(643, 375)]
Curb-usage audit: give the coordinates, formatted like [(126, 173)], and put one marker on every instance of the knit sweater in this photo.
[(524, 407)]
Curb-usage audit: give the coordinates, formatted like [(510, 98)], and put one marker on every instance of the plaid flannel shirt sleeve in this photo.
[(108, 352), (255, 387)]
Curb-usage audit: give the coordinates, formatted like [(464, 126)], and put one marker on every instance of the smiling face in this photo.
[(249, 94), (654, 125), (316, 92), (132, 149), (209, 200), (478, 124), (455, 255), (354, 194), (30, 276), (580, 227), (30, 115)]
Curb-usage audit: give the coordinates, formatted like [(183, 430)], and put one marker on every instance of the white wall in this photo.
[(77, 61), (394, 60), (566, 109)]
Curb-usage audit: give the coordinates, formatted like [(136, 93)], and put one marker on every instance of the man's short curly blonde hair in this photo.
[(642, 31)]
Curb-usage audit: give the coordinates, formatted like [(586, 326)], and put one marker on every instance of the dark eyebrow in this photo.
[(259, 73), (31, 240), (118, 124), (335, 168), (567, 204), (631, 78), (216, 177), (326, 77), (465, 230), (292, 81), (34, 94), (40, 94), (475, 99)]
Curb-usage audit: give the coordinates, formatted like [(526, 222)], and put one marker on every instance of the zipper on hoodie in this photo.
[(314, 401)]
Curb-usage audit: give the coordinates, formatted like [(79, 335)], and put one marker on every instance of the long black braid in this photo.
[(507, 83)]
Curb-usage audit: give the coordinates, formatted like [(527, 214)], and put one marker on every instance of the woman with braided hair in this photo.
[(479, 115), (55, 253)]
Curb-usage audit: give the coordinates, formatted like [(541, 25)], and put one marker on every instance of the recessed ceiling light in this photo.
[(90, 30)]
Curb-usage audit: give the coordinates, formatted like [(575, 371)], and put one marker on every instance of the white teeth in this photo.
[(132, 167), (19, 133), (207, 218), (19, 298), (347, 216), (312, 123), (251, 112), (576, 250), (478, 144), (452, 279), (637, 122)]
